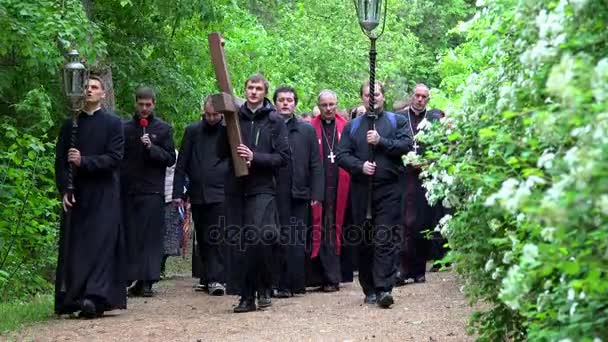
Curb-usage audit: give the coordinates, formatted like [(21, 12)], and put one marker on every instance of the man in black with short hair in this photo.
[(300, 185), (387, 135), (148, 152), (251, 209)]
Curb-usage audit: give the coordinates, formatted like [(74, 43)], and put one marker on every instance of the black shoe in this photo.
[(245, 305), (420, 279), (147, 290), (283, 294), (136, 290), (264, 300), (385, 300), (370, 299), (399, 281), (88, 309), (330, 288)]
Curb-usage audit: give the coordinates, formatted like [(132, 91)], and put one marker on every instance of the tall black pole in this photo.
[(70, 189), (371, 117)]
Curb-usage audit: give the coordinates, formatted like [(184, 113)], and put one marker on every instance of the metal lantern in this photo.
[(370, 13), (74, 79)]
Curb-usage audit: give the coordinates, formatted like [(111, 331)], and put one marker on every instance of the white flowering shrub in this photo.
[(523, 159)]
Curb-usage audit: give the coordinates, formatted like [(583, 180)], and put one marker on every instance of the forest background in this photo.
[(521, 157)]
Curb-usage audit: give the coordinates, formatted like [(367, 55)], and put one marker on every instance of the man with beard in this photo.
[(385, 135), (300, 185), (206, 173), (328, 216), (148, 152), (251, 211), (91, 247), (419, 216)]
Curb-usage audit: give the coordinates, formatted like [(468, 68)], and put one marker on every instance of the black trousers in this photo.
[(380, 238), (259, 235), (292, 275), (145, 229), (209, 222)]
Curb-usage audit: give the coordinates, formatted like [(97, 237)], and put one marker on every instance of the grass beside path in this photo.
[(14, 315)]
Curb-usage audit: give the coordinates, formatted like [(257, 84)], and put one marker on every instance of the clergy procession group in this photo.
[(322, 198)]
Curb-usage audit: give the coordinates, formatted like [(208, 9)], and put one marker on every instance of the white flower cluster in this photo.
[(599, 81), (424, 125), (444, 225), (411, 158), (513, 193)]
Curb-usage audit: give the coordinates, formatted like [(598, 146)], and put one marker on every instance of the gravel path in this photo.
[(434, 311)]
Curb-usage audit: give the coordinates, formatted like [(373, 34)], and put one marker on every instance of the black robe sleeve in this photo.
[(401, 144), (109, 160), (316, 167), (280, 145), (183, 161), (164, 152), (346, 154)]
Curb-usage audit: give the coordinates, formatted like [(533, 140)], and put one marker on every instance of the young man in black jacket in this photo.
[(387, 135), (148, 152), (251, 211), (300, 185), (206, 173)]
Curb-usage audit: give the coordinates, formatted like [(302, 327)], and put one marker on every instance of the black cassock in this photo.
[(143, 183), (91, 258), (325, 269), (419, 215)]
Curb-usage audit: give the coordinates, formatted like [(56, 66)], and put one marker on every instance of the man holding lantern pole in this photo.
[(89, 268), (149, 150)]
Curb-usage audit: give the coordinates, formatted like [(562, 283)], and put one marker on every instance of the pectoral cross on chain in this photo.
[(332, 157), (416, 147)]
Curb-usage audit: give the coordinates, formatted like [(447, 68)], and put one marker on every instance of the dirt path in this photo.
[(435, 311)]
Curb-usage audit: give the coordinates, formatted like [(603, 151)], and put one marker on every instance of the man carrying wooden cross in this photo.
[(251, 210)]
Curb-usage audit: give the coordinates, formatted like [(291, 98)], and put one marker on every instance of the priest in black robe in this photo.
[(251, 210), (90, 274), (379, 245), (149, 150), (300, 186), (328, 217), (419, 215)]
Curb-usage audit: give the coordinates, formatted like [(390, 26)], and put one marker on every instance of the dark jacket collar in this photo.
[(136, 118), (266, 109)]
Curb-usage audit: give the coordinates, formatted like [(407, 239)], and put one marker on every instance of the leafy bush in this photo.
[(29, 210), (523, 159)]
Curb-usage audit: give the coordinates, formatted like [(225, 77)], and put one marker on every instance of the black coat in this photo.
[(199, 162), (265, 134), (302, 178), (91, 249), (143, 170), (394, 142)]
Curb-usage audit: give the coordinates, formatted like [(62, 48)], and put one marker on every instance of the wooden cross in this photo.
[(226, 103)]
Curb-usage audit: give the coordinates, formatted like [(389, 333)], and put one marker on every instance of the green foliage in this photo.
[(29, 214), (523, 159), (15, 314)]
